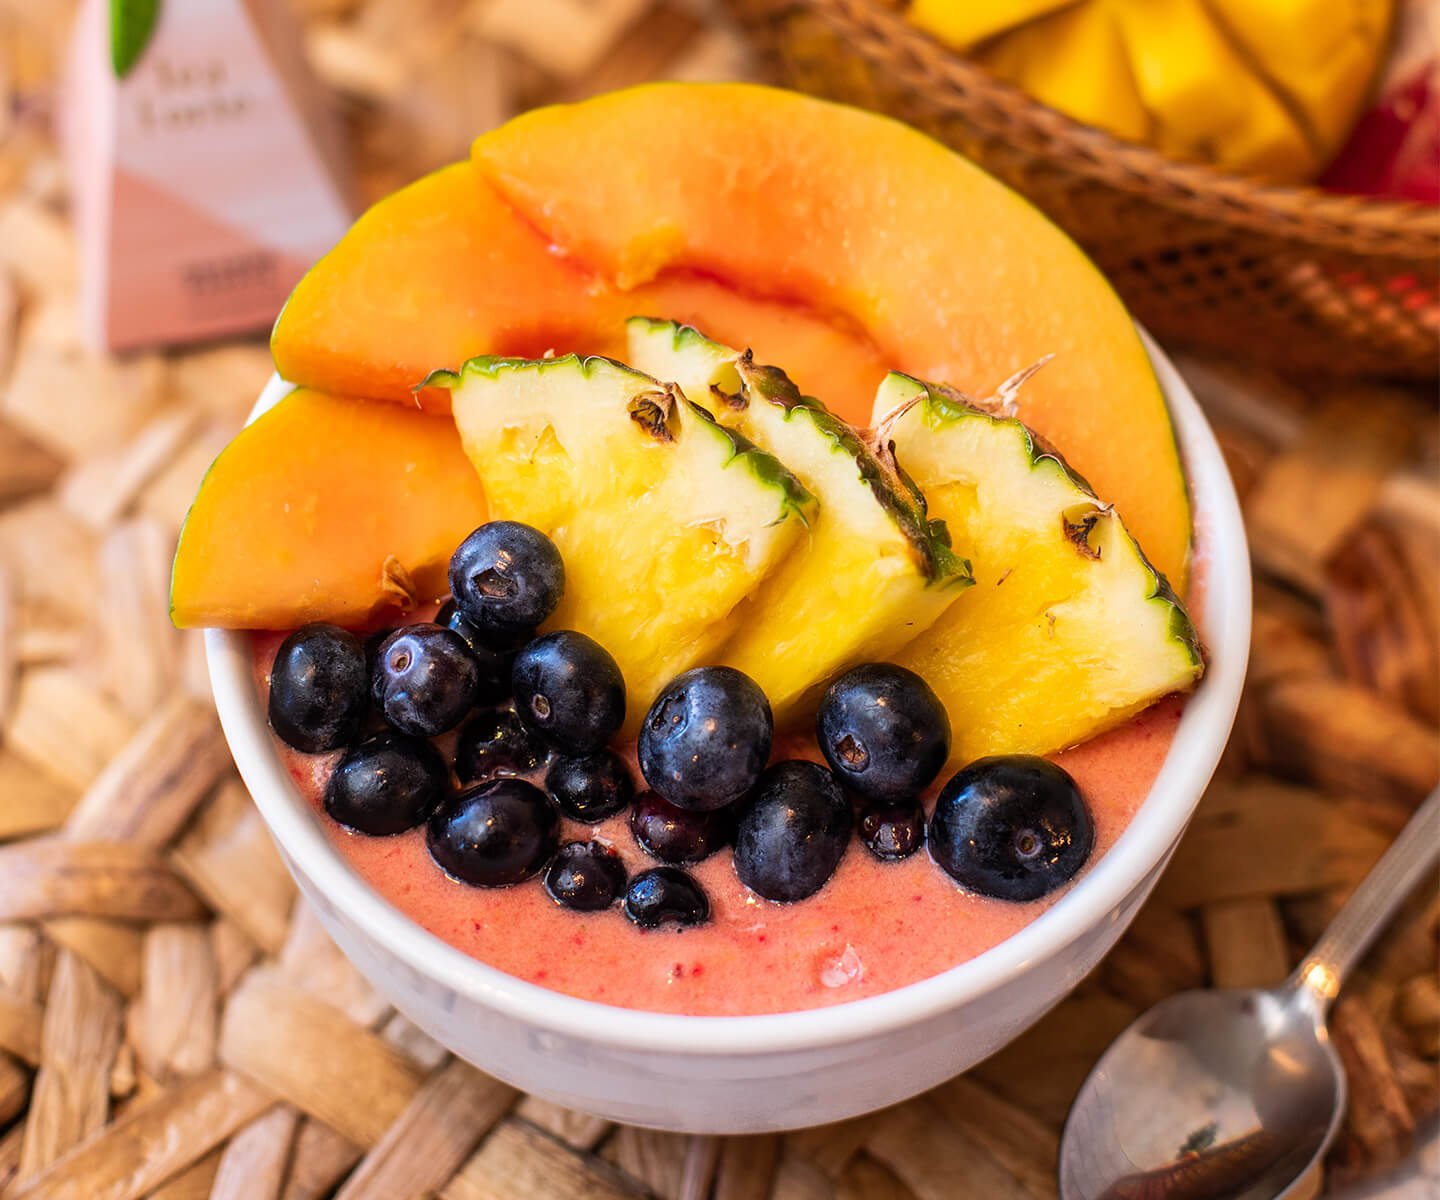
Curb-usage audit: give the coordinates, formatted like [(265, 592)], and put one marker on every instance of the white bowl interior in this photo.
[(1200, 739)]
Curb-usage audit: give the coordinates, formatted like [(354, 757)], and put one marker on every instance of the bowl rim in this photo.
[(1144, 844)]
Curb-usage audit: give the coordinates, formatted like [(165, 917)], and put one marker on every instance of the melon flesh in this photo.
[(951, 275), (431, 276), (325, 509)]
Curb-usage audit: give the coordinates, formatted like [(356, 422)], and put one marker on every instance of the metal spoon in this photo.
[(1234, 1095)]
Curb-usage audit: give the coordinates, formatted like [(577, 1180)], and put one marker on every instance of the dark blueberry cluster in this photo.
[(527, 723)]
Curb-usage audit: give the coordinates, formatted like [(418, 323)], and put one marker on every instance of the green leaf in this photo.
[(131, 24)]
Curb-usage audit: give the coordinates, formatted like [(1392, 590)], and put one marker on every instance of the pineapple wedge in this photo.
[(666, 520), (875, 571), (1069, 629)]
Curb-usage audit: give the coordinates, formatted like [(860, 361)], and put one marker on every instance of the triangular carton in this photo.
[(206, 172)]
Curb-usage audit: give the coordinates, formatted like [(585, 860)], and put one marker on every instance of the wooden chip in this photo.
[(140, 648), (577, 1129), (1297, 523), (26, 960), (65, 726), (26, 466), (14, 1091), (565, 37), (412, 1041), (195, 1182), (9, 642), (320, 1160), (31, 800), (652, 1156), (309, 1054), (178, 1001), (152, 1143), (111, 947), (54, 559), (1379, 1127), (233, 951), (796, 1179), (313, 963), (20, 1024), (454, 1108), (229, 859), (36, 245), (1347, 738), (519, 1160), (1158, 955), (747, 1167), (10, 1144), (223, 381), (147, 791), (253, 1164), (169, 494), (866, 1179), (72, 1088), (1241, 825), (830, 1147), (1245, 942), (1014, 1140), (51, 876), (920, 1146), (101, 489)]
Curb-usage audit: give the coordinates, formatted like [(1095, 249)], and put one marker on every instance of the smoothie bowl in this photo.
[(774, 758)]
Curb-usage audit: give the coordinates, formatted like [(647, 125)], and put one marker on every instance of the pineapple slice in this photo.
[(875, 571), (666, 520), (1069, 630)]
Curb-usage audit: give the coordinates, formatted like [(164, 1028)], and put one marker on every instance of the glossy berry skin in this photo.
[(569, 690), (883, 731), (425, 679), (664, 895), (494, 654), (387, 784), (494, 834), (496, 742), (679, 835), (318, 688), (706, 738), (793, 831), (506, 577), (1013, 826), (585, 876), (892, 831), (590, 787)]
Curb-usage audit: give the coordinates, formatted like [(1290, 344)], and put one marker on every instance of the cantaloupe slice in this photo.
[(436, 273), (951, 275), (325, 509)]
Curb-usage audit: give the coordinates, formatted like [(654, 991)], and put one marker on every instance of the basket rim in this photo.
[(1357, 225)]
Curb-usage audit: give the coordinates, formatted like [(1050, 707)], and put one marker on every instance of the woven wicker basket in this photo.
[(1303, 278)]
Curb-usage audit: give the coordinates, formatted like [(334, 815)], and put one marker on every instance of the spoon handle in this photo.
[(1410, 857)]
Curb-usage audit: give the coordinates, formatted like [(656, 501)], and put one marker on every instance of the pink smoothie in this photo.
[(875, 926)]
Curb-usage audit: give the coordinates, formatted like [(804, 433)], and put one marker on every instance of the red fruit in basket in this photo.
[(1394, 152)]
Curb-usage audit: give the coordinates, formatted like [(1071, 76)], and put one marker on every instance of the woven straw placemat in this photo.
[(173, 1023)]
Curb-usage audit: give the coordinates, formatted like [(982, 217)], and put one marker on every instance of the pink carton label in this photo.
[(201, 190)]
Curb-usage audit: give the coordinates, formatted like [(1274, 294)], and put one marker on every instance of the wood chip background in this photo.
[(173, 1024)]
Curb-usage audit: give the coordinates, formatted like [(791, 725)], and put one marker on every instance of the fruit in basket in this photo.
[(1262, 87), (875, 570), (1394, 150), (918, 261), (1069, 629), (666, 521), (326, 509)]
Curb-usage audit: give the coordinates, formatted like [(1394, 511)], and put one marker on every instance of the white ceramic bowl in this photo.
[(751, 1074)]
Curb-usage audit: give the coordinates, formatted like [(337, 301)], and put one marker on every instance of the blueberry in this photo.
[(494, 834), (387, 784), (666, 894), (586, 876), (493, 655), (678, 835), (425, 679), (590, 787), (706, 738), (792, 832), (892, 831), (883, 731), (1013, 826), (506, 577), (317, 688), (569, 690), (496, 742)]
